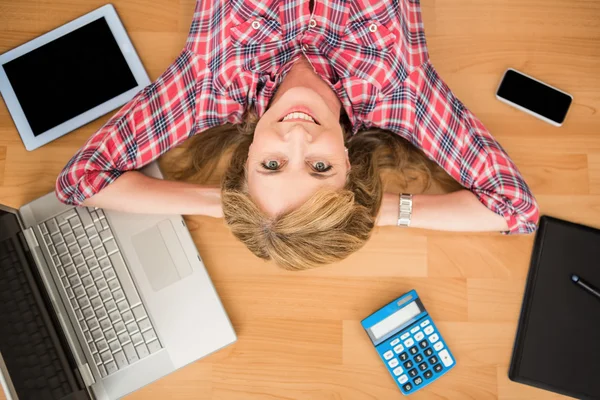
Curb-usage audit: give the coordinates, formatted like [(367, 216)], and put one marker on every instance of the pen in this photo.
[(585, 286)]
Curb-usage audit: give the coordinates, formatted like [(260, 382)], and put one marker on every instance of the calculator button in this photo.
[(423, 344), (388, 354), (393, 363), (403, 379), (418, 358), (428, 352), (415, 330), (405, 336), (407, 387), (445, 357), (409, 342), (434, 338), (438, 346), (419, 336), (394, 342), (408, 364), (418, 381), (433, 360), (398, 371), (413, 350), (427, 374), (423, 366), (413, 372), (438, 367), (403, 356), (424, 323), (398, 348), (428, 330)]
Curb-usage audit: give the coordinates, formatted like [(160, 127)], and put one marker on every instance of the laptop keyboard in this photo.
[(100, 289)]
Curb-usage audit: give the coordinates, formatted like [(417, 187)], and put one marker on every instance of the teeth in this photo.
[(298, 115)]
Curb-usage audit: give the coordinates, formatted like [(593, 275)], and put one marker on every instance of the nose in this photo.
[(297, 132)]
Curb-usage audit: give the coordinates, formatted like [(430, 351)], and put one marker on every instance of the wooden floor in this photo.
[(299, 333)]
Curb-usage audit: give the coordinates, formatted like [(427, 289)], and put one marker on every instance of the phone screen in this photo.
[(534, 96)]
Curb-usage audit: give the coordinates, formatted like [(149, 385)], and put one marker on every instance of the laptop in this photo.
[(97, 304)]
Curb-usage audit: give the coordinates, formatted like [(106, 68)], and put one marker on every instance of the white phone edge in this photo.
[(518, 107)]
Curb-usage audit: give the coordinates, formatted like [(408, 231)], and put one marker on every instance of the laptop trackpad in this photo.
[(161, 255)]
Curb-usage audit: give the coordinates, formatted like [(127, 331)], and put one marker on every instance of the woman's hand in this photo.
[(459, 211), (137, 193)]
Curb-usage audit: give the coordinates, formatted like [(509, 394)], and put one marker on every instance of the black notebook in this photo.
[(557, 347)]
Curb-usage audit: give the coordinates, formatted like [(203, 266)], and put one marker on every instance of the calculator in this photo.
[(409, 343)]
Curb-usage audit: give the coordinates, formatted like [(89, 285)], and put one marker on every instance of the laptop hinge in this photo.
[(86, 375), (30, 238)]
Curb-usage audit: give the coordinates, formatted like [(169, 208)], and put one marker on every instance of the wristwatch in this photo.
[(405, 209)]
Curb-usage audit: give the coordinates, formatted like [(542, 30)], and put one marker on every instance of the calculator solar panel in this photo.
[(409, 343)]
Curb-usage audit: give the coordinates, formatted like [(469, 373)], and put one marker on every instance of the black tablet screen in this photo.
[(69, 76)]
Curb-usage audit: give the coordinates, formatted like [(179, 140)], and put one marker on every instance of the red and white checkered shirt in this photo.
[(371, 52)]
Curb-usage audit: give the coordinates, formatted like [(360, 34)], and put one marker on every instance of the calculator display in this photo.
[(395, 320)]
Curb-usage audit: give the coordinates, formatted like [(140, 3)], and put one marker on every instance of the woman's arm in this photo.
[(435, 121), (180, 103), (138, 193), (459, 211)]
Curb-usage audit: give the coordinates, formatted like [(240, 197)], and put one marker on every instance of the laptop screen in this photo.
[(29, 346)]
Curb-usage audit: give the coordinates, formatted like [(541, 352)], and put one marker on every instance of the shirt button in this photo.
[(256, 24), (373, 28), (312, 23), (304, 47)]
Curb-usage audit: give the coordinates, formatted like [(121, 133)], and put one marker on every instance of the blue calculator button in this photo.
[(413, 350), (428, 330), (434, 338), (428, 352), (423, 344), (423, 366), (418, 358), (427, 374), (408, 364), (417, 381), (413, 372), (424, 323), (398, 349), (419, 336), (433, 360), (405, 336), (403, 356), (409, 342), (438, 368), (388, 354), (407, 387), (403, 379), (438, 346), (393, 363), (415, 330), (394, 342)]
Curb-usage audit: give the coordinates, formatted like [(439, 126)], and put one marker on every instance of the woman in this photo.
[(300, 78)]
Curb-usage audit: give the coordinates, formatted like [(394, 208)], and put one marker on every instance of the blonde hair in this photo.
[(330, 225)]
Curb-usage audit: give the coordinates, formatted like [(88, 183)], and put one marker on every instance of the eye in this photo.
[(320, 166), (271, 165)]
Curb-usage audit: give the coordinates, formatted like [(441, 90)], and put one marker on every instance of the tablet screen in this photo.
[(69, 76)]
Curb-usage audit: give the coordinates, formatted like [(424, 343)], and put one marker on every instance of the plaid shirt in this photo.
[(371, 52)]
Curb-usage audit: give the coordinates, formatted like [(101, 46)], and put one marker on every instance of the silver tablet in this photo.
[(70, 76)]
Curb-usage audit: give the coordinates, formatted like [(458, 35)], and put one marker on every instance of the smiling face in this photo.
[(298, 148)]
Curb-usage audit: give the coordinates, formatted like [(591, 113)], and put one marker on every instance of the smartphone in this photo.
[(534, 97)]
